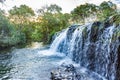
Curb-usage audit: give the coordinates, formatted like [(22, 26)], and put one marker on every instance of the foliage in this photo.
[(21, 17), (105, 10), (115, 19), (53, 8), (8, 34), (83, 11), (49, 21), (52, 23), (23, 10), (52, 20)]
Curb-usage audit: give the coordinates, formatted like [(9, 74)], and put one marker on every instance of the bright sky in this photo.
[(67, 5)]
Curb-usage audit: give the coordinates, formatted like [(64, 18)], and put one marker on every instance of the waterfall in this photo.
[(94, 46), (93, 51), (61, 37)]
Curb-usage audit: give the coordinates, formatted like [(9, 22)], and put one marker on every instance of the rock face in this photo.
[(95, 46), (64, 72)]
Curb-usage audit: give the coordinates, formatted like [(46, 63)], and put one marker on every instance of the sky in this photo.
[(66, 5)]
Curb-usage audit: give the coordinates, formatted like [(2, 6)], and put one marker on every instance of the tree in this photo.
[(51, 20), (53, 8), (23, 10), (21, 16), (107, 9), (2, 12), (83, 11), (9, 35)]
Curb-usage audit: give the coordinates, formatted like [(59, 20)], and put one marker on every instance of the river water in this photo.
[(28, 64)]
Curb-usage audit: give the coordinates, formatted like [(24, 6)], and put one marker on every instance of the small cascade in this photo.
[(59, 39), (76, 36)]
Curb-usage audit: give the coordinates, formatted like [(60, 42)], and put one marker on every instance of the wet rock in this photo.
[(94, 31), (108, 23), (64, 72), (70, 72), (71, 30), (118, 64)]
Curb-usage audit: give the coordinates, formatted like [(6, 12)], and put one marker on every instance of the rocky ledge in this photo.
[(70, 72)]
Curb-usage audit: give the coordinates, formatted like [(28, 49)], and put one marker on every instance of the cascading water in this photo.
[(77, 35), (62, 36), (94, 46)]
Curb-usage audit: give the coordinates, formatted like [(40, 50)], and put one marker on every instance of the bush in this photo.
[(9, 35)]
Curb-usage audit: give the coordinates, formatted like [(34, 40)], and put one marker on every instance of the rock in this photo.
[(71, 30), (64, 72), (70, 72), (95, 31)]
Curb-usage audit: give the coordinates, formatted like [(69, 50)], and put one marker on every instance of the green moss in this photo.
[(115, 19), (116, 35), (94, 33), (85, 32)]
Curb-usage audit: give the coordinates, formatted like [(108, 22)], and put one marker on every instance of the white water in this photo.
[(58, 40), (106, 37), (77, 33)]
